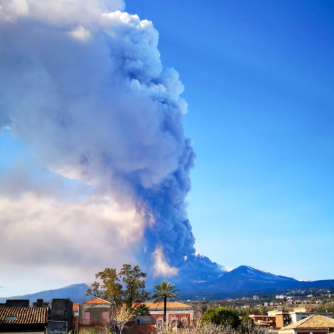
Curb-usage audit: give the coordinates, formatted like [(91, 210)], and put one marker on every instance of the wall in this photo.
[(171, 316), (17, 303), (95, 313), (60, 315)]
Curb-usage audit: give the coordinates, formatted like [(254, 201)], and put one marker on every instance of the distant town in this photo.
[(293, 311)]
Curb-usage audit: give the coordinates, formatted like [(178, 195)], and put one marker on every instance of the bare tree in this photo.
[(121, 316)]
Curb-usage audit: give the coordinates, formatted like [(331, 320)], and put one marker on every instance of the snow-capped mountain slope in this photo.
[(198, 268), (259, 274), (249, 278)]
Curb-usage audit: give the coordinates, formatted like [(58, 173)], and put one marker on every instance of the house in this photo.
[(279, 296), (264, 320), (297, 315), (282, 318), (177, 313), (315, 324), (23, 319), (255, 297), (94, 313), (285, 318)]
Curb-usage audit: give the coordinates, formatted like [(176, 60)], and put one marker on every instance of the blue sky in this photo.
[(259, 79)]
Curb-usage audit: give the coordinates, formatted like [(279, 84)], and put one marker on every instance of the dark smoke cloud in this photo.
[(84, 88)]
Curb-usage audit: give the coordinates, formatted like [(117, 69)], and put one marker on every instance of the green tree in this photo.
[(134, 292), (109, 286), (246, 324), (109, 289), (163, 291), (221, 316), (142, 310)]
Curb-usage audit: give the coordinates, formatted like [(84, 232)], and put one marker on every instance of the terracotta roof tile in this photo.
[(97, 301), (24, 315), (75, 307), (170, 305), (314, 321)]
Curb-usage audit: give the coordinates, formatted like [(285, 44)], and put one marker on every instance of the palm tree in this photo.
[(163, 291)]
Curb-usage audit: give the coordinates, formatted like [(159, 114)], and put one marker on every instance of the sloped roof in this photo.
[(24, 315), (75, 307), (170, 305), (97, 301), (314, 321)]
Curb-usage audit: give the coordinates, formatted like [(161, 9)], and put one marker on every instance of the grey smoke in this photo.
[(84, 88)]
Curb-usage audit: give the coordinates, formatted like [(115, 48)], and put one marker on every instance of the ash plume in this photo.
[(85, 91)]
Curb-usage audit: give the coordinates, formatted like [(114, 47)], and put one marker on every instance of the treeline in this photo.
[(228, 318), (241, 311)]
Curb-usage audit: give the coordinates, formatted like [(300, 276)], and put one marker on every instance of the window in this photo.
[(10, 318), (86, 318), (105, 316)]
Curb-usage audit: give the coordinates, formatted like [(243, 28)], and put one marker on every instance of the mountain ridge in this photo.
[(214, 281)]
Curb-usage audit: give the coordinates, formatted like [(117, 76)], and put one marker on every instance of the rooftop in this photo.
[(314, 321), (170, 305), (96, 301), (23, 315)]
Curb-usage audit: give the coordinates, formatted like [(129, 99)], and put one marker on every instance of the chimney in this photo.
[(39, 303)]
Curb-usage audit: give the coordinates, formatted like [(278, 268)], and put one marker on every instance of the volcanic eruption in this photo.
[(85, 92)]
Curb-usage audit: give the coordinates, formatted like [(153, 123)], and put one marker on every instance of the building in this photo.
[(296, 316), (93, 313), (60, 316), (315, 324), (264, 320), (40, 303), (76, 316), (285, 318), (177, 314), (282, 318), (17, 303), (23, 319)]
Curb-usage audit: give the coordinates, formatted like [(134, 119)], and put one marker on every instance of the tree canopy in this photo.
[(142, 310), (134, 292), (163, 291), (110, 287), (221, 316)]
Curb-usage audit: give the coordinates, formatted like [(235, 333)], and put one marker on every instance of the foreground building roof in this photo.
[(170, 305), (97, 301), (312, 322), (23, 315)]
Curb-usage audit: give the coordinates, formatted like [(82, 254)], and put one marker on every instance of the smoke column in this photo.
[(84, 89)]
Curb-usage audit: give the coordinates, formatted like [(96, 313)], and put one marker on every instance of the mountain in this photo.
[(198, 276), (197, 268), (246, 278), (75, 292)]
